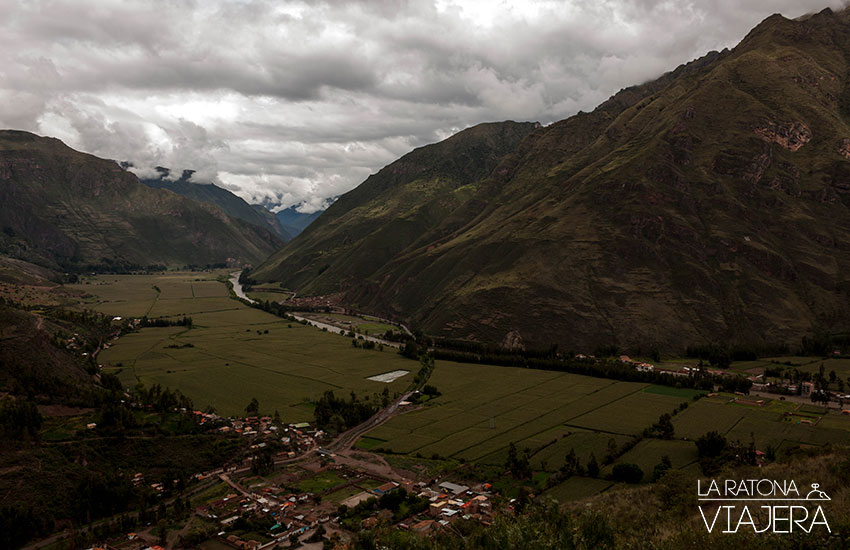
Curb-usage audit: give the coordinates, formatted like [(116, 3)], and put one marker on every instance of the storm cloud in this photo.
[(295, 102)]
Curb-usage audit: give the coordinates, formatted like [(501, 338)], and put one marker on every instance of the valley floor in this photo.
[(233, 353)]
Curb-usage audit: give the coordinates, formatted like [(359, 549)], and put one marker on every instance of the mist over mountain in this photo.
[(210, 193), (707, 206)]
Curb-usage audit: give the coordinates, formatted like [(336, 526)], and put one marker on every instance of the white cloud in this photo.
[(296, 102)]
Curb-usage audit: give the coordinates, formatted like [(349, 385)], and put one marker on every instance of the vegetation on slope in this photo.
[(664, 515), (709, 206), (62, 208), (210, 193)]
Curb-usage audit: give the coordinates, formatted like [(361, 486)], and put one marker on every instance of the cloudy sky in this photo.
[(295, 102)]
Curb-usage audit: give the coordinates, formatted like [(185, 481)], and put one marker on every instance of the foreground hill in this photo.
[(60, 207), (665, 515), (210, 193), (708, 206)]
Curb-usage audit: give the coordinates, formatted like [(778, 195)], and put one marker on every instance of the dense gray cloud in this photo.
[(296, 102)]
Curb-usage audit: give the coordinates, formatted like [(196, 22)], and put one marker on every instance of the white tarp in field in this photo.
[(388, 377)]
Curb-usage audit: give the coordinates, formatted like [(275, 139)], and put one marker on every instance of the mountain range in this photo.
[(709, 206), (210, 193), (64, 209)]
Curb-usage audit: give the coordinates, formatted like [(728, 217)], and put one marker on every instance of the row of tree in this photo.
[(336, 415)]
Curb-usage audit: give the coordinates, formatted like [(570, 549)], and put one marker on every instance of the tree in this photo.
[(517, 465), (162, 531), (253, 407), (630, 473), (317, 535), (661, 468), (523, 498), (570, 463), (711, 445), (592, 466), (612, 452), (664, 427)]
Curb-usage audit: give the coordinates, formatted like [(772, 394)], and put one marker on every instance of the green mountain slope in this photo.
[(393, 210), (212, 194), (60, 207), (708, 206)]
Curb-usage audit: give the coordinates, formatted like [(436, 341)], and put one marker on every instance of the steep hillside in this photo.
[(709, 206), (60, 207), (30, 362), (271, 219), (401, 204), (212, 194)]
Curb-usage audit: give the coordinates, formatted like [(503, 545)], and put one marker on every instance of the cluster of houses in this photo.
[(292, 513), (640, 366), (450, 502), (299, 437), (297, 513), (805, 389)]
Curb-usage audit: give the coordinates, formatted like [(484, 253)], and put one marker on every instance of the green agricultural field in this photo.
[(649, 452), (338, 496), (583, 443), (550, 413), (629, 415), (137, 295), (683, 393), (233, 352), (267, 296), (706, 415), (528, 407), (369, 443), (765, 425)]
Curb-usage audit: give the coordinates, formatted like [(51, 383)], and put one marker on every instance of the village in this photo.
[(304, 493)]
